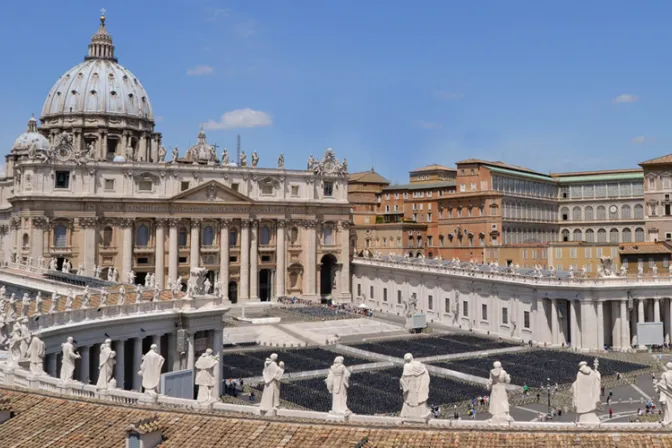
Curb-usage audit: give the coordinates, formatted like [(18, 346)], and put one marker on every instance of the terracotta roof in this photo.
[(146, 425), (432, 167), (644, 248), (664, 160), (5, 403), (500, 164), (370, 177), (421, 185), (46, 420), (594, 172)]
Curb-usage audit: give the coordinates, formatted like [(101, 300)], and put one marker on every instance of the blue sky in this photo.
[(554, 86)]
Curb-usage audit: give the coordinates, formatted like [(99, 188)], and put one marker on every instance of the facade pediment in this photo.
[(211, 191)]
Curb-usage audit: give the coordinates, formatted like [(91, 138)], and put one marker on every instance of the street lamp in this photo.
[(548, 388)]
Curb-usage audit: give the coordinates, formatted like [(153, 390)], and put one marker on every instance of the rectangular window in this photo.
[(430, 302), (558, 253), (447, 304), (505, 316), (465, 309), (384, 294), (526, 319), (572, 252), (182, 260), (109, 184), (599, 252), (143, 260), (398, 297), (359, 290), (234, 187), (145, 185), (267, 189), (484, 311), (587, 253), (295, 191), (543, 253), (534, 254), (233, 259), (524, 254), (371, 291), (62, 179), (328, 189), (184, 185)]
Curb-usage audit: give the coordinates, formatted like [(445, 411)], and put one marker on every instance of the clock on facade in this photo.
[(613, 209)]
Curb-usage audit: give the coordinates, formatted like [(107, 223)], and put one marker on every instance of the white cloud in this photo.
[(641, 139), (246, 29), (625, 98), (240, 118), (447, 95), (200, 70), (428, 124)]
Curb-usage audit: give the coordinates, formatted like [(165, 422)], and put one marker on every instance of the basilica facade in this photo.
[(93, 185)]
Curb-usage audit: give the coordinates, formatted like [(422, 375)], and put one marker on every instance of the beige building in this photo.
[(94, 186), (657, 191)]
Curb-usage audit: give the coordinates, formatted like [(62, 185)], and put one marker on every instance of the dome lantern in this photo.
[(101, 46)]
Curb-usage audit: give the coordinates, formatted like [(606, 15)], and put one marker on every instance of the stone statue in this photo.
[(103, 297), (311, 163), (80, 269), (205, 376), (586, 393), (654, 271), (414, 383), (115, 275), (96, 271), (69, 299), (669, 270), (243, 158), (162, 154), (206, 286), (25, 304), (86, 297), (110, 272), (54, 303), (255, 159), (624, 271), (3, 292), (176, 154), (53, 264), (38, 303), (225, 157), (68, 361), (147, 280), (65, 267), (130, 156), (152, 280), (640, 271), (338, 382), (150, 370), (583, 272), (36, 354), (122, 295), (411, 305), (281, 161), (664, 388), (270, 398), (571, 271), (499, 401), (15, 341), (156, 295), (130, 277), (106, 362), (25, 337)]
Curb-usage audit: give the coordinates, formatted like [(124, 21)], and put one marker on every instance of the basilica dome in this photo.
[(31, 137), (99, 85)]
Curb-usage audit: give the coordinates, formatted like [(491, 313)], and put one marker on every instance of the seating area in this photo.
[(251, 363), (433, 345), (534, 367), (374, 392)]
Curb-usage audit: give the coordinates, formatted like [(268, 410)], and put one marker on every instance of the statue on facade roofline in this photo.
[(586, 393), (150, 370), (205, 376), (176, 154), (162, 154), (281, 161), (499, 400), (36, 353), (311, 163), (414, 383), (664, 388), (255, 159), (68, 360), (243, 158)]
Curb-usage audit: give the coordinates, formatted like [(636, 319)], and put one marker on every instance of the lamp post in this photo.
[(548, 388)]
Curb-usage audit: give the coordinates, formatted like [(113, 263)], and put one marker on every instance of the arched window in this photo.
[(565, 235), (294, 235), (440, 240), (60, 236), (208, 236), (590, 236), (601, 236), (142, 236), (577, 236), (613, 236), (233, 237), (639, 235), (107, 236), (564, 214), (626, 212), (639, 211), (182, 237), (588, 213), (265, 236), (328, 236), (26, 240), (626, 235), (601, 212), (419, 242), (576, 214), (613, 212)]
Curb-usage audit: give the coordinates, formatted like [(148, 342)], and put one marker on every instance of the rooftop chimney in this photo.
[(144, 433), (5, 409)]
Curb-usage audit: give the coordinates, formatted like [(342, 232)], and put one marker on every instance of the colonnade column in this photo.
[(554, 321), (194, 253), (52, 365), (119, 367), (84, 374), (254, 261), (190, 350), (88, 226), (244, 290), (656, 310), (280, 269), (616, 337), (156, 340), (310, 266), (217, 345), (625, 325), (173, 255), (576, 326), (345, 256), (588, 336), (600, 325), (159, 255), (224, 257), (127, 260), (641, 317), (137, 360), (39, 224)]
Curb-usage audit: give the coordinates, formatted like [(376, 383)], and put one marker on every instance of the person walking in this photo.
[(611, 412), (526, 389)]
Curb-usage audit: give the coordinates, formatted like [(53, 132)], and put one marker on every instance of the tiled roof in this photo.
[(43, 420), (602, 177), (527, 174), (499, 164), (420, 186), (644, 248), (432, 167), (370, 177), (664, 160)]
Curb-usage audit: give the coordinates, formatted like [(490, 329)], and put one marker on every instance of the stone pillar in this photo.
[(119, 367), (190, 351), (142, 149), (159, 257), (625, 325), (217, 345), (173, 357), (600, 325), (656, 310), (224, 257), (137, 360), (127, 260), (194, 253), (576, 326), (616, 338), (640, 311), (345, 260), (310, 266), (156, 340), (588, 331), (280, 256), (173, 255), (89, 227), (244, 287), (39, 224), (254, 261), (84, 374), (554, 321), (52, 365)]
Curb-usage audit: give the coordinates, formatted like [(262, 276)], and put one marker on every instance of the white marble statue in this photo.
[(311, 162), (664, 388), (225, 157), (243, 158), (654, 271), (68, 360), (156, 294), (148, 279), (53, 264), (255, 159), (281, 161), (623, 271), (115, 275), (3, 292), (15, 341), (411, 305), (152, 280), (270, 398), (69, 299), (54, 303), (25, 337), (139, 291), (130, 153), (338, 382), (66, 267), (205, 376), (106, 362), (122, 295), (150, 370), (96, 271), (25, 304), (103, 297), (586, 393), (162, 154), (38, 303), (36, 354), (176, 154), (499, 401), (130, 277), (86, 297), (206, 286), (80, 269), (640, 271), (414, 383)]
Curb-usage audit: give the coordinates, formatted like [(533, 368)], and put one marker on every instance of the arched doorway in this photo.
[(233, 292), (265, 285), (327, 274)]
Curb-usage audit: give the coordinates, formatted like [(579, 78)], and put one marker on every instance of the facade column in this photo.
[(39, 224), (345, 257), (244, 287), (89, 226), (194, 253), (52, 365), (127, 260), (224, 257), (656, 310), (119, 367), (137, 360), (159, 257), (217, 345), (554, 321), (310, 267), (616, 338), (625, 325), (600, 325), (254, 260), (173, 357), (156, 340), (640, 311), (142, 148), (280, 257), (173, 255), (84, 374), (190, 351), (588, 333), (576, 326)]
